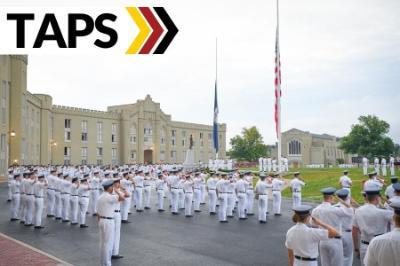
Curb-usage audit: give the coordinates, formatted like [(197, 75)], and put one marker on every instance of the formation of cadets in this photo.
[(340, 228), (380, 165)]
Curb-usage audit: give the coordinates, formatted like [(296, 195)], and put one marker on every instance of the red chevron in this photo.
[(157, 30)]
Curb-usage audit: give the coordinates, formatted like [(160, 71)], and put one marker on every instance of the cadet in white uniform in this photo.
[(222, 187), (30, 198), (277, 186), (118, 190), (174, 186), (346, 182), (203, 188), (383, 166), (39, 190), (126, 183), (250, 193), (181, 194), (23, 201), (95, 191), (265, 164), (295, 186), (240, 187), (389, 192), (188, 189), (274, 165), (302, 240), (16, 196), (347, 223), (65, 195), (74, 201), (332, 250), (83, 192), (10, 179), (58, 203), (365, 165), (384, 250), (269, 164), (51, 193), (105, 215), (376, 165), (147, 191), (212, 193), (139, 180), (391, 165), (260, 164), (261, 194), (231, 197), (196, 192), (369, 221), (160, 189), (373, 182)]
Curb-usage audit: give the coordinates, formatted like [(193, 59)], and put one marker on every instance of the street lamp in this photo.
[(12, 133), (52, 144)]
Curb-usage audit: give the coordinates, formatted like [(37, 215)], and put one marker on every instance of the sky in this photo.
[(340, 59)]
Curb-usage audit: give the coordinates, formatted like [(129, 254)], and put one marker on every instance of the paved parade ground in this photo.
[(161, 239)]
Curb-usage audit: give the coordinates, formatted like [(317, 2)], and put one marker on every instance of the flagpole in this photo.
[(216, 82), (279, 93)]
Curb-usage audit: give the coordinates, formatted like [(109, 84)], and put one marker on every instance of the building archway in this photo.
[(148, 156)]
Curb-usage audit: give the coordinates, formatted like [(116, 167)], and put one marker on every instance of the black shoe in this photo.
[(28, 224), (74, 223), (129, 213), (223, 222), (147, 208), (250, 214), (125, 221), (14, 219), (230, 216), (65, 221), (115, 257), (188, 216), (161, 210), (50, 215), (58, 218), (197, 210), (213, 213), (139, 210), (175, 213), (94, 214), (203, 203), (262, 222), (8, 200), (278, 214), (87, 212), (242, 218), (83, 226), (39, 227), (22, 222)]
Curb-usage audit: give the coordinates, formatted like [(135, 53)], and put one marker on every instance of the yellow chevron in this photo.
[(144, 30)]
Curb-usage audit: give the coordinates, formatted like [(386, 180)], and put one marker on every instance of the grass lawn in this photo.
[(316, 179)]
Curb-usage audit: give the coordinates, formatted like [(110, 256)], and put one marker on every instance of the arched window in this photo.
[(294, 147)]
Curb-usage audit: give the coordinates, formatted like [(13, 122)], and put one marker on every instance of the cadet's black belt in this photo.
[(175, 188), (16, 192), (229, 192), (84, 196), (139, 186), (117, 211), (74, 195), (347, 230), (50, 188), (189, 192), (160, 189), (261, 194), (241, 191), (345, 187), (30, 194), (305, 259), (197, 188), (211, 189), (146, 185), (365, 242), (65, 193), (107, 218), (95, 189), (38, 197), (250, 189), (338, 237)]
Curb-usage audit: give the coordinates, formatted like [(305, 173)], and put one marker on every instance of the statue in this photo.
[(189, 160), (191, 142)]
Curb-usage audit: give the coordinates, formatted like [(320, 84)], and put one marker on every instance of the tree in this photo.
[(368, 138), (249, 146)]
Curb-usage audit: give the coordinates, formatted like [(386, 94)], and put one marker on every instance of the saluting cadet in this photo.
[(369, 221), (376, 165), (105, 215), (250, 193), (30, 198), (16, 196), (118, 190), (196, 192), (174, 186), (222, 187), (65, 195), (365, 165), (139, 180), (181, 194), (269, 164), (160, 188), (345, 181), (147, 191), (94, 191), (331, 250), (231, 197), (83, 192), (203, 188), (58, 204), (260, 164), (383, 165), (240, 187), (347, 223), (391, 165), (384, 250), (302, 240), (389, 192), (51, 193), (277, 186), (274, 164), (23, 201), (188, 188), (10, 179), (261, 192), (295, 186), (39, 190), (373, 182), (74, 201), (126, 183), (212, 193), (396, 196), (265, 163)]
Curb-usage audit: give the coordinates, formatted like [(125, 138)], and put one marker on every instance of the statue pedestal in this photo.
[(189, 163)]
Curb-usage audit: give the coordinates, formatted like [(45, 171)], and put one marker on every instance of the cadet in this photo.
[(65, 195), (126, 183), (10, 179), (174, 183), (240, 187), (160, 186), (58, 203), (95, 191), (383, 165), (384, 250), (181, 194), (261, 192), (369, 221), (295, 186), (188, 188), (212, 194), (365, 165), (105, 215), (74, 201), (250, 193), (389, 192), (51, 193), (30, 198), (332, 250), (83, 192), (231, 197), (16, 196), (147, 191), (347, 223), (277, 186), (222, 187), (345, 181), (139, 180), (376, 165), (39, 190), (391, 165), (23, 202), (373, 182), (302, 240), (196, 192), (118, 190), (203, 188)]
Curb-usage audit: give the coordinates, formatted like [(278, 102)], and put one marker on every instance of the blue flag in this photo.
[(215, 128)]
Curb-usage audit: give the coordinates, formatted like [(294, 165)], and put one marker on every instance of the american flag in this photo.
[(278, 92)]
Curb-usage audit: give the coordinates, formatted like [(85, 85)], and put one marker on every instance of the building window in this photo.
[(99, 132), (162, 156), (67, 123), (183, 142), (148, 134), (67, 135), (4, 92), (114, 133), (84, 137), (67, 130), (173, 154), (173, 133), (133, 155), (99, 162), (132, 134), (67, 151), (84, 153), (99, 151), (3, 149), (173, 142), (162, 140), (84, 134), (294, 147), (114, 153)]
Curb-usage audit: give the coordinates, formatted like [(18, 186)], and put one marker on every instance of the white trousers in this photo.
[(203, 193), (117, 233), (83, 207), (331, 252), (58, 204), (384, 170), (160, 199), (30, 205), (174, 200), (65, 206), (139, 198), (15, 202), (22, 207), (51, 199), (242, 204), (196, 198), (250, 201), (365, 169), (181, 198), (230, 204), (276, 203), (347, 241), (125, 206), (94, 193), (212, 200), (74, 201), (106, 230), (262, 207), (377, 169), (147, 196), (296, 199), (38, 211), (391, 170), (188, 203), (10, 194), (222, 206)]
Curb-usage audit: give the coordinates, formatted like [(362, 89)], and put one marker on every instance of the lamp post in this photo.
[(52, 145)]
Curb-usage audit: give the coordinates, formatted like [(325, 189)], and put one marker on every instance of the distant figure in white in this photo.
[(391, 165), (265, 162), (365, 165), (269, 164), (376, 165), (383, 166), (260, 164), (274, 164)]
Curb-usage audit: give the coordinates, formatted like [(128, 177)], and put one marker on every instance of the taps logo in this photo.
[(88, 31)]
